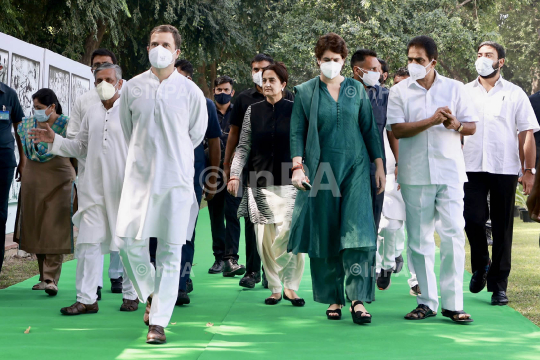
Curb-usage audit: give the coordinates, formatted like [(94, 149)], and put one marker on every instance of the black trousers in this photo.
[(6, 178), (377, 202), (253, 260), (225, 224), (502, 189)]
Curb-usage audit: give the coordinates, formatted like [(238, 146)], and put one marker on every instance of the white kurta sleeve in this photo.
[(465, 109), (126, 119), (198, 121), (395, 111), (75, 148), (525, 116), (75, 120)]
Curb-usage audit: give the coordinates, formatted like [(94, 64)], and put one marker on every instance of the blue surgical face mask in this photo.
[(223, 98), (40, 115)]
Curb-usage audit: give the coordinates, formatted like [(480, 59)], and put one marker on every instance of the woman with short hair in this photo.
[(269, 199), (334, 135), (46, 201)]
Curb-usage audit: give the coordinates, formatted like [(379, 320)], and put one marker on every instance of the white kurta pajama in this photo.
[(162, 123), (391, 239), (431, 175), (100, 141), (90, 100)]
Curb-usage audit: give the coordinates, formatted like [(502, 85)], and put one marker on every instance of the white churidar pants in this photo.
[(116, 269), (426, 204), (280, 266), (162, 281), (89, 274)]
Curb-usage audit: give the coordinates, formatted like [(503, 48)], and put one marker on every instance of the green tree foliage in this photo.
[(221, 36)]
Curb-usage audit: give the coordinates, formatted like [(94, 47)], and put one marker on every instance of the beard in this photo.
[(493, 74)]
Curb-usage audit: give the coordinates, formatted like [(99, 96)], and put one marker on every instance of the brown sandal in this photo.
[(420, 313), (146, 317), (130, 305), (80, 308), (455, 316)]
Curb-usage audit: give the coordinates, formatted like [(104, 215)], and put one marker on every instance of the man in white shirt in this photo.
[(494, 156), (89, 100), (164, 117), (428, 113), (100, 141), (391, 239)]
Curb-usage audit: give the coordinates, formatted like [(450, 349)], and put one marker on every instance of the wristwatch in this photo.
[(460, 128), (532, 170)]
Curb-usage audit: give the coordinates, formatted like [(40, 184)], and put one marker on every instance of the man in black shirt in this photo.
[(223, 208), (243, 101), (11, 115)]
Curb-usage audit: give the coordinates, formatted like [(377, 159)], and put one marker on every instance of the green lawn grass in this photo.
[(523, 288)]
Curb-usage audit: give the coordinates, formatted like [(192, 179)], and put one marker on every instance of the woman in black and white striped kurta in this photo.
[(269, 199)]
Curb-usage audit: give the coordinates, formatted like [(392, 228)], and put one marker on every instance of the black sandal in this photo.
[(454, 316), (357, 317), (272, 301), (420, 313), (295, 302), (333, 317)]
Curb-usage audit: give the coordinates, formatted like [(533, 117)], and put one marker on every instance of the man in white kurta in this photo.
[(163, 118), (428, 113), (86, 101), (101, 143), (391, 239)]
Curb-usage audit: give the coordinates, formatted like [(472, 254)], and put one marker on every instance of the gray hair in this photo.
[(104, 66)]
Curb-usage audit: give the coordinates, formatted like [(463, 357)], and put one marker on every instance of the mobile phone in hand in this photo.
[(306, 185)]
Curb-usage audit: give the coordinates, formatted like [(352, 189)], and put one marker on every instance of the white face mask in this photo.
[(106, 91), (331, 69), (257, 78), (484, 66), (418, 71), (371, 78), (160, 57)]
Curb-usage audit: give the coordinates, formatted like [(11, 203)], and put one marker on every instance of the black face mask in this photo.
[(223, 98)]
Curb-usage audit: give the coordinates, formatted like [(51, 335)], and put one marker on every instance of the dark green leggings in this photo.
[(355, 267)]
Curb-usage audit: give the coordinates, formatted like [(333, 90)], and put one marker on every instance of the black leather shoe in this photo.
[(264, 281), (182, 298), (272, 301), (116, 285), (217, 267), (189, 286), (296, 302), (399, 264), (478, 280), (383, 280), (250, 279), (232, 268), (499, 298), (98, 292)]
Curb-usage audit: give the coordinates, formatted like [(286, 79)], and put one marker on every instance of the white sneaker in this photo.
[(51, 289), (39, 286)]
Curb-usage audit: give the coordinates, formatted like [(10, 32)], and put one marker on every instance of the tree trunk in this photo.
[(203, 82), (201, 79), (93, 41), (213, 76)]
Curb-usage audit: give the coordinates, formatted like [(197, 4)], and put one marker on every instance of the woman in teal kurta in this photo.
[(333, 222)]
